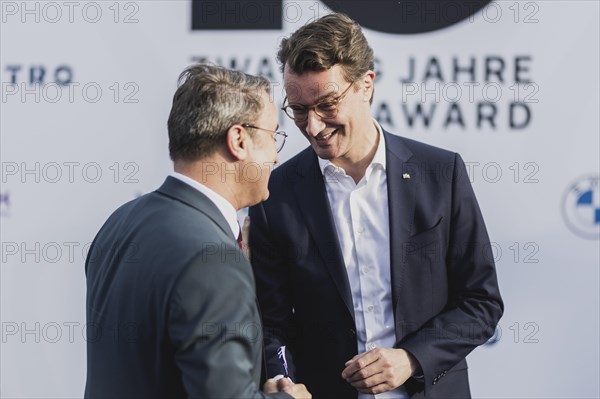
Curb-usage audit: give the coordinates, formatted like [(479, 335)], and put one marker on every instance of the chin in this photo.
[(265, 195), (324, 153), (260, 197)]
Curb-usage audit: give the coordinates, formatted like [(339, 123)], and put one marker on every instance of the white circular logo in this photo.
[(581, 207)]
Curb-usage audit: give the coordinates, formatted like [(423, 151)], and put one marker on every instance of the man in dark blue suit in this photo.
[(373, 264), (170, 296)]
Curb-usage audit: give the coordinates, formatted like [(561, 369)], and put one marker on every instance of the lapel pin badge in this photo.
[(405, 176)]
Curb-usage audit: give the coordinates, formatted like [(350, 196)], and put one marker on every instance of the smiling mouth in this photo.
[(325, 137)]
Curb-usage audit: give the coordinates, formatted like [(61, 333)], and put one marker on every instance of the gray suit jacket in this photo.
[(171, 306)]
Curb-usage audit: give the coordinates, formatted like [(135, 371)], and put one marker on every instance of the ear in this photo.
[(237, 142), (368, 83)]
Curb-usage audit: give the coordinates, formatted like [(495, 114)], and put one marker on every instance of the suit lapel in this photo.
[(402, 180), (180, 191), (313, 202)]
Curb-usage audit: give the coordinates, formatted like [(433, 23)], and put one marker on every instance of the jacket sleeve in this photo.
[(274, 291), (214, 327), (474, 305)]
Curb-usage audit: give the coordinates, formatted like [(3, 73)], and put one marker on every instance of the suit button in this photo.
[(352, 333)]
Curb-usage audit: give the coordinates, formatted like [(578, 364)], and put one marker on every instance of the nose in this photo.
[(314, 123)]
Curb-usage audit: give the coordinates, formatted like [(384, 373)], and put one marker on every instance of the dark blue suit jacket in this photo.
[(445, 293)]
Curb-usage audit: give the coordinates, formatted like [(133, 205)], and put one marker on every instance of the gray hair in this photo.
[(208, 101)]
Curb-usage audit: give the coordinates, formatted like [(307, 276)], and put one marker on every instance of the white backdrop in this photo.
[(71, 153)]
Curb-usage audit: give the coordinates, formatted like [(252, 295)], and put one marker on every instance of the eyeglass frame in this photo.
[(277, 133), (335, 101)]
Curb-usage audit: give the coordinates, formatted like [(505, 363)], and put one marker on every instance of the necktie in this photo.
[(240, 240)]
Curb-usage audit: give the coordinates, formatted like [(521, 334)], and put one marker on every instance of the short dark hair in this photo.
[(330, 40), (208, 101)]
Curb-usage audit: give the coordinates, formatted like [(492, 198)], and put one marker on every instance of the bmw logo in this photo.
[(581, 207)]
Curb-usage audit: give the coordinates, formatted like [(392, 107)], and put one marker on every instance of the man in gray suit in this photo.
[(171, 306)]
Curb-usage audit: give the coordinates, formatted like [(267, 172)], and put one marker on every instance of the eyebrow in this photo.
[(324, 96), (321, 98)]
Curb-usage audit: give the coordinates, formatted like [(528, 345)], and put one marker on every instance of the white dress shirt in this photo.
[(361, 217), (224, 206)]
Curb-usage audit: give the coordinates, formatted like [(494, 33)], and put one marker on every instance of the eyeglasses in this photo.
[(325, 109), (279, 136)]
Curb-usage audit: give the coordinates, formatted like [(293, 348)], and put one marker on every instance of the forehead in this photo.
[(310, 87)]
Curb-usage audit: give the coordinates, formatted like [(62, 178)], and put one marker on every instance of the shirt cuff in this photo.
[(280, 376)]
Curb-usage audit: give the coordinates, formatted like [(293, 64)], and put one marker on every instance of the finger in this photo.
[(298, 391), (375, 389), (366, 372), (368, 383), (354, 358), (270, 386), (362, 361), (284, 384)]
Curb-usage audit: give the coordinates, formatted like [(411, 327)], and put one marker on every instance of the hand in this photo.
[(246, 237), (270, 386), (379, 370), (298, 391)]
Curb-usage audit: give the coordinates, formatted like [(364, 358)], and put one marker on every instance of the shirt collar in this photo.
[(224, 206), (378, 159)]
